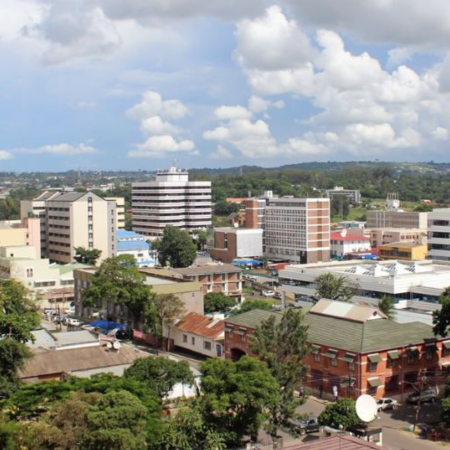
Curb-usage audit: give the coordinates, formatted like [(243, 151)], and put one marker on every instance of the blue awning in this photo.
[(107, 325), (246, 262)]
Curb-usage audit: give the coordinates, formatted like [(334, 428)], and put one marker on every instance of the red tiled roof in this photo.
[(345, 442), (201, 325), (349, 237)]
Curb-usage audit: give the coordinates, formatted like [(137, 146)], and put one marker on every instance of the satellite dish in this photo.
[(366, 408), (109, 345), (116, 345)]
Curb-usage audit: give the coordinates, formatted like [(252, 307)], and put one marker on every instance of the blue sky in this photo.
[(115, 84)]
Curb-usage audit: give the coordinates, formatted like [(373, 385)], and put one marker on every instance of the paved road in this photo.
[(393, 424)]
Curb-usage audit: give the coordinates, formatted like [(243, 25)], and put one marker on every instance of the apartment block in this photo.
[(397, 219), (298, 229), (439, 234), (353, 195), (171, 200), (22, 232), (254, 212), (80, 220), (120, 211)]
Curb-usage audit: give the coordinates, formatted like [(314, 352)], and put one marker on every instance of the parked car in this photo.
[(303, 426), (386, 403), (268, 293), (278, 296), (74, 322), (427, 395)]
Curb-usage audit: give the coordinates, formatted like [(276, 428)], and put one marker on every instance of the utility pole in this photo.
[(422, 381)]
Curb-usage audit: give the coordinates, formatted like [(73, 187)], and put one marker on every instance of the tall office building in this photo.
[(171, 200), (439, 234), (120, 211), (298, 229)]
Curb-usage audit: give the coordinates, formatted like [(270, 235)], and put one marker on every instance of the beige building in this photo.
[(24, 232), (80, 220), (397, 219), (297, 229), (120, 211), (52, 284)]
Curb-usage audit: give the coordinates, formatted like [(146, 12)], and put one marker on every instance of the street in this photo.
[(393, 423)]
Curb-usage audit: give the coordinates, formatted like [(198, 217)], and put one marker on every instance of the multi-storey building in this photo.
[(137, 245), (439, 234), (80, 220), (382, 357), (396, 219), (342, 243), (120, 211), (353, 195), (297, 229), (386, 236), (171, 200)]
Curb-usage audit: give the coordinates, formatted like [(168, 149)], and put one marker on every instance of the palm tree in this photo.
[(386, 305)]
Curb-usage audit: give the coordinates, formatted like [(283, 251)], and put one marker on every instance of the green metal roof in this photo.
[(253, 318)]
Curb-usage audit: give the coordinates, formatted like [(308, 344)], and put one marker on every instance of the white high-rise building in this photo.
[(171, 200), (439, 234)]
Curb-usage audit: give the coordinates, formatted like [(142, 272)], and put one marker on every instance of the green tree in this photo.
[(163, 313), (160, 374), (441, 317), (202, 239), (335, 287), (176, 248), (386, 305), (236, 396), (119, 282), (87, 256), (224, 208), (218, 301), (340, 414), (283, 347)]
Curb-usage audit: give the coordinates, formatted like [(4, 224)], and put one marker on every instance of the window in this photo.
[(185, 338), (334, 361), (29, 273), (391, 362), (351, 366), (207, 345), (445, 351), (317, 357), (412, 356), (193, 340), (373, 366)]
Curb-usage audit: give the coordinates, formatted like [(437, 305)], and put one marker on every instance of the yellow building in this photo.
[(406, 251)]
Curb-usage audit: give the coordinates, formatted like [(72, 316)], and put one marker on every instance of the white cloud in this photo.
[(232, 112), (86, 104), (4, 155), (159, 146), (155, 125), (152, 104), (398, 56), (221, 153), (440, 134), (64, 149), (257, 104), (173, 109)]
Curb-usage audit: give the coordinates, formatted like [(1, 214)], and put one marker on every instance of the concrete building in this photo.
[(353, 195), (397, 219), (215, 278), (22, 232), (383, 358), (80, 220), (171, 200), (421, 280), (120, 211), (404, 251), (386, 236), (342, 244), (135, 244), (231, 243), (439, 234), (297, 229), (200, 334), (254, 212), (51, 284)]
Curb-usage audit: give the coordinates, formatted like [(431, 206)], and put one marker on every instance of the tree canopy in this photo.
[(218, 301), (441, 317), (87, 256), (335, 287), (340, 414), (176, 248), (386, 305)]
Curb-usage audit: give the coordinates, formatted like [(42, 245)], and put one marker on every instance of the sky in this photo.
[(143, 84)]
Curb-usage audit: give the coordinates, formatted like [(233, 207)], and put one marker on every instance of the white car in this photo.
[(386, 403), (268, 293), (74, 322)]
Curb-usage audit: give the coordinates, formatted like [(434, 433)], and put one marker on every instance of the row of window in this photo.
[(206, 344)]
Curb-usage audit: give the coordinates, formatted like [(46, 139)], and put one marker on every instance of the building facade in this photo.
[(137, 245), (439, 234), (171, 200), (232, 243), (403, 251), (120, 211), (342, 244), (397, 219), (297, 229), (353, 195)]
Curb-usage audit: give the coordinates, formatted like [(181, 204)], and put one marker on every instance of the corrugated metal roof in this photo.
[(205, 270), (201, 325), (69, 197), (124, 246), (334, 443), (346, 310), (253, 318), (121, 234)]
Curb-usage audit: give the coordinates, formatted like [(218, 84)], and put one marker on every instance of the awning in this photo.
[(315, 349), (394, 354), (446, 344), (228, 329), (375, 358), (374, 382), (413, 349), (330, 353), (431, 347), (349, 357), (242, 331)]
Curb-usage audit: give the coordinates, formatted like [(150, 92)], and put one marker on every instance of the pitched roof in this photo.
[(349, 237), (201, 325), (72, 360), (69, 197), (216, 268), (345, 442), (347, 310), (253, 318)]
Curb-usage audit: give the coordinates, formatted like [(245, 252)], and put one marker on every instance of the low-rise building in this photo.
[(343, 243), (355, 350), (405, 251), (353, 195), (217, 278), (231, 243), (137, 245), (199, 334)]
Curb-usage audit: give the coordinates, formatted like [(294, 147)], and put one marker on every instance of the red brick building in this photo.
[(357, 350)]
